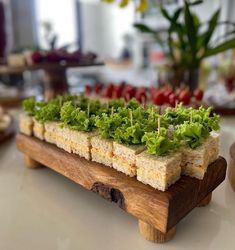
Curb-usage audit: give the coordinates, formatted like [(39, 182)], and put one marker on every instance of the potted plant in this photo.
[(189, 40)]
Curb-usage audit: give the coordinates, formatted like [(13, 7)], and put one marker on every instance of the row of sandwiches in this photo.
[(133, 160)]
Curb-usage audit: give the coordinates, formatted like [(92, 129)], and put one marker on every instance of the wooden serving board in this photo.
[(158, 212)]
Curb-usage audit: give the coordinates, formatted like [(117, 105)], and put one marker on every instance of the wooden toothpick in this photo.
[(158, 125), (88, 109), (143, 101), (112, 110), (191, 117), (131, 117), (176, 104)]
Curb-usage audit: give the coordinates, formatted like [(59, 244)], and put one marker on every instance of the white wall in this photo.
[(104, 26), (62, 15)]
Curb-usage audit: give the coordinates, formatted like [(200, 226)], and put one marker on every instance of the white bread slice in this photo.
[(158, 171), (195, 161), (63, 137), (38, 129), (50, 131), (124, 157), (80, 142), (102, 150), (72, 141), (26, 124)]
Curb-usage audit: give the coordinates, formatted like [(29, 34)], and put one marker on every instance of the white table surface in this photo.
[(41, 210)]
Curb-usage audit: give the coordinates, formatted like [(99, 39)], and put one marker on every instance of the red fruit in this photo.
[(118, 91), (98, 87), (108, 92), (141, 95), (185, 96), (75, 56), (177, 92), (167, 93), (172, 100), (88, 89), (52, 56), (129, 92), (198, 94), (159, 98), (37, 57)]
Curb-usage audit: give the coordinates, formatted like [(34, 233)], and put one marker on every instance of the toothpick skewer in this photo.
[(143, 101), (112, 110), (176, 104), (88, 109), (158, 125), (191, 117), (131, 117)]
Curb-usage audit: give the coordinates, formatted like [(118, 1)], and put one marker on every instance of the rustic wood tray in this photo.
[(158, 212)]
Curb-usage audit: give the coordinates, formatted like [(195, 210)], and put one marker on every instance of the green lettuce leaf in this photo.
[(29, 106), (191, 133), (129, 134), (107, 124), (160, 143)]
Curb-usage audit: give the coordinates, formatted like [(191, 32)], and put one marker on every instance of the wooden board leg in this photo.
[(152, 234), (205, 201), (31, 163)]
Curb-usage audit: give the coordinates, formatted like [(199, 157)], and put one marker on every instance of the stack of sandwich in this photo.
[(156, 148)]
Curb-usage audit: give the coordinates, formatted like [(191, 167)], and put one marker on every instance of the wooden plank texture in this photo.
[(162, 210)]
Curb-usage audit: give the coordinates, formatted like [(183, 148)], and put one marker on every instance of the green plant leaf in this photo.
[(230, 44), (166, 14), (177, 14), (145, 29), (190, 28), (211, 28), (195, 3)]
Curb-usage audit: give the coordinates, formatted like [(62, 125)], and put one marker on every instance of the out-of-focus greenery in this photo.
[(189, 40)]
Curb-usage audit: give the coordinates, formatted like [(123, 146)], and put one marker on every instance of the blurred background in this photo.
[(104, 33)]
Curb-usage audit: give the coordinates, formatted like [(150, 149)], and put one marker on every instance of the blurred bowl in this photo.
[(231, 171)]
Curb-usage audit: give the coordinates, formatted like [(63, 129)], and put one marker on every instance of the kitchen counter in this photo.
[(40, 209)]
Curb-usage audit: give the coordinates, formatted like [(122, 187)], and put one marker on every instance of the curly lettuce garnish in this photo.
[(191, 133), (48, 112), (29, 106), (209, 122), (107, 124), (159, 143), (129, 134), (76, 118)]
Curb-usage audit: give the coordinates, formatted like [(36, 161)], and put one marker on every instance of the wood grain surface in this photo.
[(162, 210)]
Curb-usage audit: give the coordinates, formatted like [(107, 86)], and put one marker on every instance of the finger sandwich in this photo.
[(26, 124), (124, 157), (80, 142), (158, 171), (38, 129), (102, 150), (195, 161)]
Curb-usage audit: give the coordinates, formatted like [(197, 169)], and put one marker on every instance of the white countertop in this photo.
[(41, 210)]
